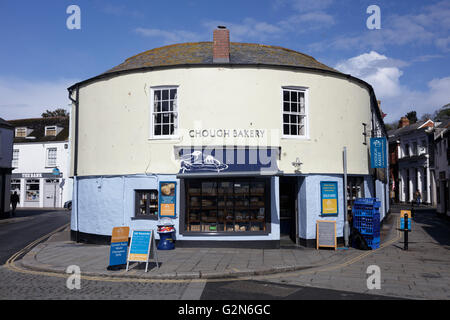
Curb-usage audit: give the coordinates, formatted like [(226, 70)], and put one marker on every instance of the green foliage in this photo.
[(55, 113)]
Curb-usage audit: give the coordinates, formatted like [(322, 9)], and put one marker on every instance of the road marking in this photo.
[(10, 264)]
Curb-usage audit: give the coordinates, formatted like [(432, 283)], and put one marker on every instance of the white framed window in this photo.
[(51, 157), (21, 132), (15, 158), (295, 112), (164, 112), (50, 131)]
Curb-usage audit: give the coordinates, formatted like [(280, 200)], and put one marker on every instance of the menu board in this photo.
[(119, 246), (326, 234)]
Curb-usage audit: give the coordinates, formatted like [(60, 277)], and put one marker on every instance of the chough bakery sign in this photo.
[(227, 133)]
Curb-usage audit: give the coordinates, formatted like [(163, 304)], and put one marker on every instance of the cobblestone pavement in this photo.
[(422, 272), (28, 286)]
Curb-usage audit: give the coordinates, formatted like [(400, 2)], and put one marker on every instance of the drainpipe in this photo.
[(346, 226), (75, 152)]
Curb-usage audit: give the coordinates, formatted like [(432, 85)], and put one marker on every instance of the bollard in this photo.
[(405, 230)]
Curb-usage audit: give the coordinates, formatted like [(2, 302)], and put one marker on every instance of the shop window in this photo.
[(294, 112), (15, 186), (146, 204), (164, 112), (355, 190), (32, 190), (51, 157), (226, 206)]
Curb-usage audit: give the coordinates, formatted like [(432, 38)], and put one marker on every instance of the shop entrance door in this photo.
[(288, 210), (51, 193)]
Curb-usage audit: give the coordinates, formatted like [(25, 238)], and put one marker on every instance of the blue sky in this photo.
[(407, 61)]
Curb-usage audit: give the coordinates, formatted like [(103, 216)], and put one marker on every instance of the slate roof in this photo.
[(393, 134), (38, 125), (202, 53), (5, 124)]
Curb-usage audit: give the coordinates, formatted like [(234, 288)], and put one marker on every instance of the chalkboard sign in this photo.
[(326, 234)]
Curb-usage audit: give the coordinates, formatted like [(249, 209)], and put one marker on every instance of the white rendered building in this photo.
[(41, 162), (240, 144)]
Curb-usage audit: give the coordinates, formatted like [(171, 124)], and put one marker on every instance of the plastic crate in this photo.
[(368, 202), (367, 226), (365, 212), (372, 241)]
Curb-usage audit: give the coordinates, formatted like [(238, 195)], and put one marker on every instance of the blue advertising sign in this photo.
[(167, 199), (140, 245), (329, 197), (119, 246), (378, 156)]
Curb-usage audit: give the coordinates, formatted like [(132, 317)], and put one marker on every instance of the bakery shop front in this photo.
[(226, 191)]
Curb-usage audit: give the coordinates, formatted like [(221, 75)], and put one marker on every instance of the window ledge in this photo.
[(173, 138), (295, 137), (145, 218)]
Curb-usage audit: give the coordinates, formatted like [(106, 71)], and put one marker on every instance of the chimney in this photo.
[(221, 46), (404, 122)]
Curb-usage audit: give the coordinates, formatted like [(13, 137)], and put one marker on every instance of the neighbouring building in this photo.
[(6, 151), (41, 162), (241, 144), (411, 158), (441, 169)]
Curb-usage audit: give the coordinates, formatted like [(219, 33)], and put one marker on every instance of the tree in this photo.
[(55, 113), (412, 117)]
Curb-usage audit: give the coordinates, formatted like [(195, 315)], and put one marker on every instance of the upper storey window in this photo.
[(294, 112), (164, 112), (21, 132)]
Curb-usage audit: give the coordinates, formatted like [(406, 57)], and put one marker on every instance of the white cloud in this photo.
[(378, 70), (429, 26), (28, 99), (384, 74)]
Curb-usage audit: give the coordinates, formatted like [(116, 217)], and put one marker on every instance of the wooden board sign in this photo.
[(326, 234)]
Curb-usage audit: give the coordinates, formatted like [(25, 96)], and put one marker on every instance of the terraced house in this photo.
[(40, 161), (239, 144)]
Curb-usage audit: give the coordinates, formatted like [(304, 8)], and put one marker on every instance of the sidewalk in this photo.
[(56, 254)]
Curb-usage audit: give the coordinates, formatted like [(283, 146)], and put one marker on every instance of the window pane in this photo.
[(286, 129), (294, 119), (285, 118), (165, 94), (286, 106), (294, 107), (166, 129), (165, 106), (157, 130), (294, 129), (286, 95), (173, 94), (157, 96), (294, 96), (158, 118)]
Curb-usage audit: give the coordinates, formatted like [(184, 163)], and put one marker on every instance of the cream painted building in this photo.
[(234, 144)]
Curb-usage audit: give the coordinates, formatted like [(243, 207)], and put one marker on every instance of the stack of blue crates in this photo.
[(366, 219)]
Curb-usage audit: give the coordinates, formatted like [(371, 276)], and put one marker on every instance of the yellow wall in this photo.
[(114, 118)]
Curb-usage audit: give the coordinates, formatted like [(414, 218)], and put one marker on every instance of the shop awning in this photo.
[(227, 161)]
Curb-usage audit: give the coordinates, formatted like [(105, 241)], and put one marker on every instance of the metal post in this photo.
[(405, 229)]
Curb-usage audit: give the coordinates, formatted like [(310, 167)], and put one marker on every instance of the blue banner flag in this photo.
[(378, 157)]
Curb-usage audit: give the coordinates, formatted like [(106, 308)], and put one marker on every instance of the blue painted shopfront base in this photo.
[(166, 241)]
